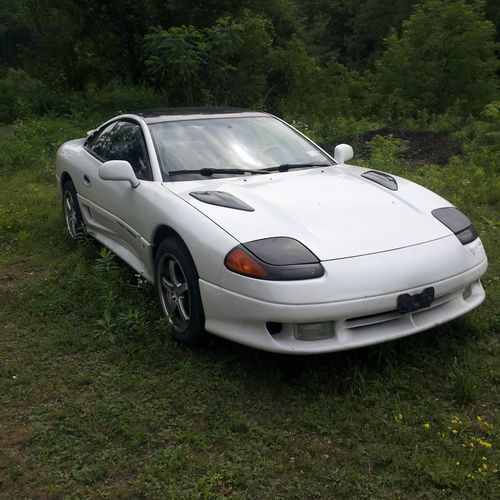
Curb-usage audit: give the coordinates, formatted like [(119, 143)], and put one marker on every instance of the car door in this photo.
[(116, 209)]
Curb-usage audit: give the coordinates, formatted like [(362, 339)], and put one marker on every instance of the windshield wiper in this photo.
[(284, 167), (208, 172)]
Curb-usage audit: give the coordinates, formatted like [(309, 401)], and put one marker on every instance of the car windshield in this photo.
[(249, 143)]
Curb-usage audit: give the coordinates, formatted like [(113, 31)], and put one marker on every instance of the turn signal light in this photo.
[(240, 262)]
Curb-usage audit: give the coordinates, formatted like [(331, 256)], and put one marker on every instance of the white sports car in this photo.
[(249, 230)]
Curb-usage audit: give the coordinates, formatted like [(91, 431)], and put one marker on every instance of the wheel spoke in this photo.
[(181, 289), (171, 270), (182, 309), (167, 284)]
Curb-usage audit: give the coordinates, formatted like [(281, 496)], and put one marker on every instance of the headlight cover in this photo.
[(457, 222), (275, 259)]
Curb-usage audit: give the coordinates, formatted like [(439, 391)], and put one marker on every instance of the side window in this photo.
[(99, 142), (127, 143), (122, 141)]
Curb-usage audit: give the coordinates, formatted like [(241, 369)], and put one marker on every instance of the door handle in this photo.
[(86, 181)]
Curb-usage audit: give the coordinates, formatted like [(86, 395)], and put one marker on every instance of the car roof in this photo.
[(175, 114)]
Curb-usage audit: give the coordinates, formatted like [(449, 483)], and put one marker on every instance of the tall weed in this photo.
[(33, 143)]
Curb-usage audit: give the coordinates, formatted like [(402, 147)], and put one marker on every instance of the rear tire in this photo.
[(71, 210), (178, 292)]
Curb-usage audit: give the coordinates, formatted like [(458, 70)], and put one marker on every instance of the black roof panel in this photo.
[(172, 114), (155, 115)]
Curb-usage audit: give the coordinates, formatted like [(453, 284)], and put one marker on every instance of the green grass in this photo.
[(97, 400)]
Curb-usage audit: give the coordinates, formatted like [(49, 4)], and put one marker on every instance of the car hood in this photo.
[(334, 211)]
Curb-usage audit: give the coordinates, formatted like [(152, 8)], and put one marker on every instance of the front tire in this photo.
[(71, 209), (178, 292)]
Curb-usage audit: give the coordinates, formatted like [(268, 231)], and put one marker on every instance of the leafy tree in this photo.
[(13, 32), (174, 59), (492, 12), (445, 55), (352, 30), (369, 22), (221, 64), (72, 44), (240, 75), (310, 59), (297, 81)]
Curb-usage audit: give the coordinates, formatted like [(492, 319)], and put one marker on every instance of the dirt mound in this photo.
[(422, 146)]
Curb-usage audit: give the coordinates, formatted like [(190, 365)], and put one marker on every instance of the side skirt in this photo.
[(124, 254)]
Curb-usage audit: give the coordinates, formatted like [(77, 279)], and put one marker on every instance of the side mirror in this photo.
[(118, 170), (343, 153)]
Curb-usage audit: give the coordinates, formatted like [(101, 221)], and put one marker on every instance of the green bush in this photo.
[(445, 57), (101, 103), (22, 96), (482, 138), (33, 143)]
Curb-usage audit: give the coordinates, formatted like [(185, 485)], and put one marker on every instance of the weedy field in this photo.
[(97, 400)]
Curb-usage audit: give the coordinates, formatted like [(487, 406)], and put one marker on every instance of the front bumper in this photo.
[(356, 322)]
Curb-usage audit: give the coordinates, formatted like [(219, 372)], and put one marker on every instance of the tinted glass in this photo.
[(99, 142), (249, 142), (127, 143), (122, 141)]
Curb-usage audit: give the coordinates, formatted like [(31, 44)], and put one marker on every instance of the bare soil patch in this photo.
[(421, 146)]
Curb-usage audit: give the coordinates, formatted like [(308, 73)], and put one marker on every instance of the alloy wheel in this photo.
[(174, 292), (70, 215)]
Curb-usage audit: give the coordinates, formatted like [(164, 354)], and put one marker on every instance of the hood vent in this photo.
[(381, 178), (222, 199)]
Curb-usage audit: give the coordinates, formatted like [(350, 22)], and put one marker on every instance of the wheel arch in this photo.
[(206, 242), (65, 177), (163, 231)]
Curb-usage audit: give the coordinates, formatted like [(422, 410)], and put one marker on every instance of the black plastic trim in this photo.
[(222, 199), (381, 178)]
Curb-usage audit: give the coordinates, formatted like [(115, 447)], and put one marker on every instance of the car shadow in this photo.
[(346, 371)]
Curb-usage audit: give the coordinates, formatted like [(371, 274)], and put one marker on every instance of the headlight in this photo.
[(279, 259), (457, 222)]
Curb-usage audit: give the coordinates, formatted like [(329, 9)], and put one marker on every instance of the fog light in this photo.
[(314, 331), (274, 328), (467, 292)]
